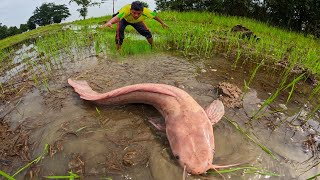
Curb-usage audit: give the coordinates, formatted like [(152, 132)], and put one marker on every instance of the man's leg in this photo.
[(144, 31), (150, 41), (120, 33)]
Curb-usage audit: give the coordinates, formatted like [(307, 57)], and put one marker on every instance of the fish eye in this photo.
[(177, 157)]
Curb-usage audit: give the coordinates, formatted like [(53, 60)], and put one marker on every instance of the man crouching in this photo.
[(133, 14)]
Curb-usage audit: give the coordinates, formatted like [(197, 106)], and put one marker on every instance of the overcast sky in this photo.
[(16, 12)]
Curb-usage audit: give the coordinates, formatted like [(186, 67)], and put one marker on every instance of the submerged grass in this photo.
[(282, 87), (248, 170), (71, 176), (6, 175), (265, 149), (314, 177), (36, 160)]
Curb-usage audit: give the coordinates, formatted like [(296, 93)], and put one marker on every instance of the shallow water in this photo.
[(118, 142)]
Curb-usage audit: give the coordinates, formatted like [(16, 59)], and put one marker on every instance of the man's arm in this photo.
[(164, 25), (111, 21)]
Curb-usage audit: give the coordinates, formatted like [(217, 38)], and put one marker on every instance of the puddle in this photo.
[(118, 142), (78, 27)]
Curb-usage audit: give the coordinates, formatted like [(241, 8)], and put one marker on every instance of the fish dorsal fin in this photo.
[(86, 92), (215, 111)]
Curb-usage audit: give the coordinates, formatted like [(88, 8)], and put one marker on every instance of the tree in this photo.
[(24, 27), (237, 7), (84, 6), (3, 31), (145, 4), (48, 13), (31, 24), (13, 31)]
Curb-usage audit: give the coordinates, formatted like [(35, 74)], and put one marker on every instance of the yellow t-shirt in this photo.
[(124, 12)]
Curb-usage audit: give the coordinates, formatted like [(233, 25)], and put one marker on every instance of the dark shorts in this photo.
[(140, 27)]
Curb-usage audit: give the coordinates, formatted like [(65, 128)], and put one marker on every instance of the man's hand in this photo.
[(164, 25), (108, 24)]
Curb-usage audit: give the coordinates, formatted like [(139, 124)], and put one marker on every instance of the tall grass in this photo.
[(282, 87), (200, 34), (253, 74)]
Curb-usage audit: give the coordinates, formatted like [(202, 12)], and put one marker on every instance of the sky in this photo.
[(16, 12)]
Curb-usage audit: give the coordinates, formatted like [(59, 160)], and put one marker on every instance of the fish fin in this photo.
[(215, 111)]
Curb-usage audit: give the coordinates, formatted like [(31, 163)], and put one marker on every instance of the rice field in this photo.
[(292, 57), (191, 34)]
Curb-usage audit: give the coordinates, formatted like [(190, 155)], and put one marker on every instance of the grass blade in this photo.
[(313, 177), (34, 161), (236, 125), (6, 175), (247, 170), (70, 177)]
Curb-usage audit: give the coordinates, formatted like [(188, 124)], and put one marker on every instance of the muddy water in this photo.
[(118, 142)]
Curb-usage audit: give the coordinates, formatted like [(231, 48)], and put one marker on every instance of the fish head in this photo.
[(193, 147)]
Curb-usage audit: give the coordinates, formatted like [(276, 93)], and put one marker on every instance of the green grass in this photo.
[(35, 161), (6, 175), (71, 176), (200, 34), (314, 177), (44, 30), (265, 149), (203, 33)]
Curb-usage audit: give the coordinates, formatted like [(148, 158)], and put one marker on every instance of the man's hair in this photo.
[(137, 6)]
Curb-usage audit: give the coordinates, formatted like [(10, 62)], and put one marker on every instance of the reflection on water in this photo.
[(78, 27), (20, 62), (12, 72)]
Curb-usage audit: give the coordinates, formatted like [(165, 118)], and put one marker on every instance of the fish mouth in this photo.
[(197, 170)]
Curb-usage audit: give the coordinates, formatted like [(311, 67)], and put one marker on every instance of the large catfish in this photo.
[(188, 126)]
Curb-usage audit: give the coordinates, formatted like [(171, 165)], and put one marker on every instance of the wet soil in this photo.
[(118, 141)]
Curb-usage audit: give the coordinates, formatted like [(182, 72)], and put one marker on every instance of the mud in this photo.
[(230, 95), (118, 142)]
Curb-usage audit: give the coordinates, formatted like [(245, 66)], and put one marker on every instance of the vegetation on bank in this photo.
[(203, 34), (194, 34), (298, 15), (209, 28), (191, 33)]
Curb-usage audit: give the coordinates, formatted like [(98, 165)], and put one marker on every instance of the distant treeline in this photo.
[(297, 15), (47, 13)]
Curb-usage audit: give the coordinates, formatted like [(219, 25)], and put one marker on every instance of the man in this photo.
[(133, 14)]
